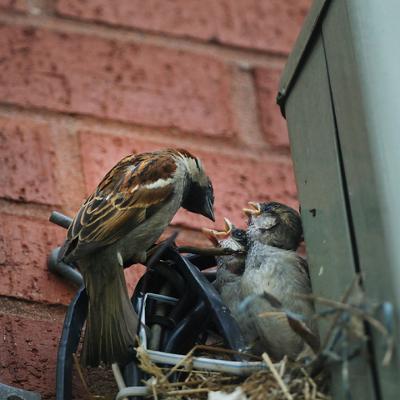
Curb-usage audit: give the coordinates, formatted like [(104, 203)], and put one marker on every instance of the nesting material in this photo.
[(285, 380), (281, 381)]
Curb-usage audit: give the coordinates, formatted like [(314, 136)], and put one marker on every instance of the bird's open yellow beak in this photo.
[(215, 236), (255, 209)]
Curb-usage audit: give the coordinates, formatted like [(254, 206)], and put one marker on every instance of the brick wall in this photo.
[(83, 83)]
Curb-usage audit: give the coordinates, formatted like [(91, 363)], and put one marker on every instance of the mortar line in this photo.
[(231, 146), (14, 306), (222, 51)]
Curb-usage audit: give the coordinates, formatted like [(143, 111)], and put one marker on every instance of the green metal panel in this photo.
[(364, 66), (318, 174), (303, 42)]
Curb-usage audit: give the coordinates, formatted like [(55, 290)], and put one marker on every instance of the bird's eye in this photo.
[(271, 207)]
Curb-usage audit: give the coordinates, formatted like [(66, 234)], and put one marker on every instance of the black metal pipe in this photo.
[(221, 315), (183, 337), (63, 269), (71, 333), (60, 219), (55, 266)]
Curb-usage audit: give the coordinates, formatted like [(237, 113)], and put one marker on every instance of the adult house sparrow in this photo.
[(274, 270), (125, 215)]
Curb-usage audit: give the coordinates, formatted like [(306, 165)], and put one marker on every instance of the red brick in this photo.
[(24, 246), (27, 161), (179, 17), (136, 83), (258, 24), (28, 356), (236, 180), (29, 351), (187, 237), (272, 121), (132, 275), (261, 24), (14, 5)]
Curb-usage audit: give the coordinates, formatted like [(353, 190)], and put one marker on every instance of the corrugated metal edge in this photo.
[(296, 57)]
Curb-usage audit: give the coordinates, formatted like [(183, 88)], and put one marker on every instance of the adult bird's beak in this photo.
[(255, 209), (209, 209)]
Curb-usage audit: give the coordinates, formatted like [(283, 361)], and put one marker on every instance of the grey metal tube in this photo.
[(63, 269), (132, 391), (60, 219), (232, 367)]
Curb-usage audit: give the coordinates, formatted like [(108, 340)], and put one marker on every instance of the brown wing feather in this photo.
[(120, 202)]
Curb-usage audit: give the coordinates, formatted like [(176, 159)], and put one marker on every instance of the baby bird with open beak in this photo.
[(274, 270), (229, 275), (230, 267)]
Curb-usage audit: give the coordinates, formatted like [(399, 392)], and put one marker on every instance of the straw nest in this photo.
[(284, 380)]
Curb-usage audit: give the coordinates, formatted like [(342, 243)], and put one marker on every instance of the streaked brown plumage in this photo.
[(124, 216)]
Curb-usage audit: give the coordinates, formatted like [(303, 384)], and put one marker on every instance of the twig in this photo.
[(148, 366), (282, 314), (181, 362), (342, 306), (188, 382), (348, 307), (154, 389), (311, 382), (81, 377), (187, 391), (208, 251), (282, 366), (217, 349), (343, 299), (277, 377)]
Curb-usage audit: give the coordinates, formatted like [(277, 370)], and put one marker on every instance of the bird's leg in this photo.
[(139, 257)]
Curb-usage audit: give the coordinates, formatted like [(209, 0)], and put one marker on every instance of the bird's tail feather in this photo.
[(111, 323)]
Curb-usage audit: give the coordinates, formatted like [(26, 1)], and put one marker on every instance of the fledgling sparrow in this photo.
[(231, 238), (125, 215), (230, 269), (274, 268)]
